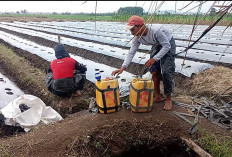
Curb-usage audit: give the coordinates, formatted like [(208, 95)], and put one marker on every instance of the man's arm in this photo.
[(80, 67), (129, 57), (164, 42), (131, 53)]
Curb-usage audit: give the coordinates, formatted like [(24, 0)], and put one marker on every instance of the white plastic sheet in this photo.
[(6, 87), (187, 70), (37, 111)]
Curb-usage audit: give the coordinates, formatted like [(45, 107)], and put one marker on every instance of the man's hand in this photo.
[(119, 71), (150, 62)]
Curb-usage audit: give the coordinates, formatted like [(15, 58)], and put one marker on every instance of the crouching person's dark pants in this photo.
[(79, 79), (65, 86)]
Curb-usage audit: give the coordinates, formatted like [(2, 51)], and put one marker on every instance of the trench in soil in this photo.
[(169, 148)]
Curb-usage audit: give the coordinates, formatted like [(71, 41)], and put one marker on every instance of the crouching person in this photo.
[(65, 76)]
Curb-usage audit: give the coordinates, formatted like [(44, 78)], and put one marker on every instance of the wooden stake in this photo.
[(58, 39)]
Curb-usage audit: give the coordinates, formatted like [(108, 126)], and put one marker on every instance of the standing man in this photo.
[(162, 60)]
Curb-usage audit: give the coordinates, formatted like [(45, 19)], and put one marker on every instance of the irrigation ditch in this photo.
[(85, 134)]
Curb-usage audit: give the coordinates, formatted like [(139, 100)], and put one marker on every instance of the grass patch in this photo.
[(215, 145), (164, 18), (4, 152), (80, 17)]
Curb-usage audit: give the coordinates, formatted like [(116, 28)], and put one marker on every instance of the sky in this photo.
[(89, 6)]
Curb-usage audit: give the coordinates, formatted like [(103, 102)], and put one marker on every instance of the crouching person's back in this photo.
[(65, 75)]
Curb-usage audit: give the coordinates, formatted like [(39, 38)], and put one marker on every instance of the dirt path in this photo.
[(117, 130), (84, 134)]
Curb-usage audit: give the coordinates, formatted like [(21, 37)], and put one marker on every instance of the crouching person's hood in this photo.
[(60, 51)]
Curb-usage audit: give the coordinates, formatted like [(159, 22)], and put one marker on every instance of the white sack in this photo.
[(37, 112)]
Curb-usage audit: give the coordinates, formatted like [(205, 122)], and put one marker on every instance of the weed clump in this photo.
[(216, 146), (4, 152)]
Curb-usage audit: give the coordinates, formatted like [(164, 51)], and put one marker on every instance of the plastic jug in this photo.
[(107, 95), (141, 95)]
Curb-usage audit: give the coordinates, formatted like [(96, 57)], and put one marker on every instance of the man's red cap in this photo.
[(134, 20)]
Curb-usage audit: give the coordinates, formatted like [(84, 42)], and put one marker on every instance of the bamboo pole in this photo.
[(59, 39)]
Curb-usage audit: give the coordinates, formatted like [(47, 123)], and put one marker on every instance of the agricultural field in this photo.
[(165, 18), (26, 50)]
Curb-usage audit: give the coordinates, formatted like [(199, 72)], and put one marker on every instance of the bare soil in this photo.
[(87, 134), (116, 132)]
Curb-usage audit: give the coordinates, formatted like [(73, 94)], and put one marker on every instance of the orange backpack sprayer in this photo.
[(141, 95), (107, 94)]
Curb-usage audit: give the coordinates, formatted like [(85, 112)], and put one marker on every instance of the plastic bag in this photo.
[(34, 111)]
